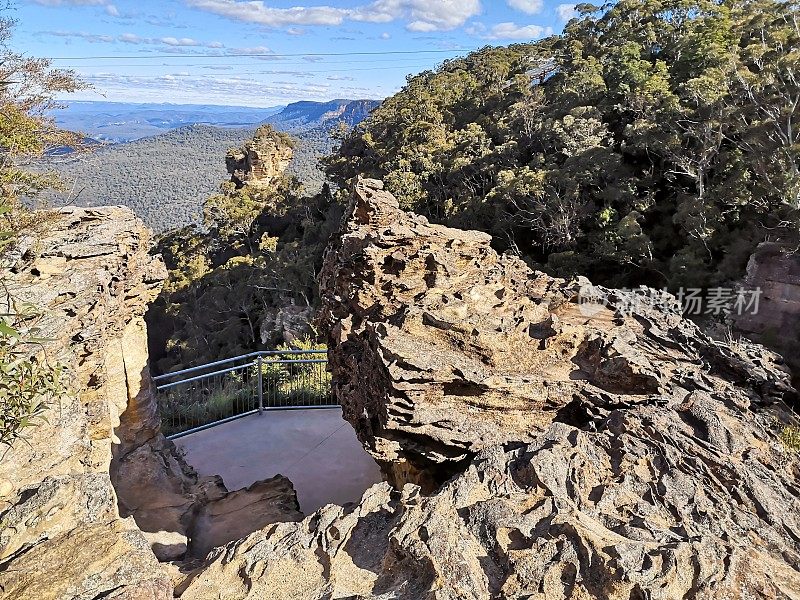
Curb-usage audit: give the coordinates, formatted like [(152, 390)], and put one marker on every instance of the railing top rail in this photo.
[(206, 376), (234, 359)]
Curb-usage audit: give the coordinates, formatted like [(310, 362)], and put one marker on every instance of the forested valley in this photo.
[(166, 178), (650, 143)]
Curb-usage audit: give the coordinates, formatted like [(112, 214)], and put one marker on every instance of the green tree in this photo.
[(650, 143)]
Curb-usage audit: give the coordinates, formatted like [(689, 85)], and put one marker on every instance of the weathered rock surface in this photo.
[(441, 348), (775, 270), (237, 514), (61, 535), (261, 161), (595, 454), (653, 505), (97, 490)]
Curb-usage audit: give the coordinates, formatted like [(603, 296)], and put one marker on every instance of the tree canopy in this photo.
[(652, 142)]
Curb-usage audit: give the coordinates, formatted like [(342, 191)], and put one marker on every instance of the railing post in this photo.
[(260, 387)]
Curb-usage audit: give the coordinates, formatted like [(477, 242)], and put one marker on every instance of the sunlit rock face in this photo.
[(593, 452), (441, 348), (261, 161), (91, 276), (95, 495)]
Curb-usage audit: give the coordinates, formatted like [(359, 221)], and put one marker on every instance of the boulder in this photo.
[(545, 439), (237, 514), (440, 347)]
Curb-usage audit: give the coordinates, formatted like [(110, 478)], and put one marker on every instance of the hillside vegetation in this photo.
[(258, 252), (653, 142), (166, 178)]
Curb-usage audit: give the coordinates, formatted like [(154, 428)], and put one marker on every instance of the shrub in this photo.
[(26, 383)]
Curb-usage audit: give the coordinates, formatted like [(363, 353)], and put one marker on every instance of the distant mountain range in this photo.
[(304, 116), (117, 122), (166, 178)]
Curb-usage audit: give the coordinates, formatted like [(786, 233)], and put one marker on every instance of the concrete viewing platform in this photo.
[(316, 449)]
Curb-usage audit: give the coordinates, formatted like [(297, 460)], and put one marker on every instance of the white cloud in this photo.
[(89, 37), (512, 31), (112, 10), (421, 15), (132, 38), (181, 87), (530, 7), (566, 12), (386, 35), (171, 41), (251, 51)]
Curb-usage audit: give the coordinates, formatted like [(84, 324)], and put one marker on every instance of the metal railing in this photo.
[(208, 395)]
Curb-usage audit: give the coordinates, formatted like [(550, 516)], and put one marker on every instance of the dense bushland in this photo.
[(651, 142), (259, 250), (165, 179)]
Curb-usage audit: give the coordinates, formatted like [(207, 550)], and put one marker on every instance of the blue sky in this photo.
[(265, 53)]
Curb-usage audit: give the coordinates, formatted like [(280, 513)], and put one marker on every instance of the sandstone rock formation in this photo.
[(61, 534), (441, 348), (67, 532), (540, 446), (262, 160), (594, 453), (775, 270)]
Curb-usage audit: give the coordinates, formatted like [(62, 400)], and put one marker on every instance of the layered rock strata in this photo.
[(598, 446), (441, 348), (91, 279), (92, 496)]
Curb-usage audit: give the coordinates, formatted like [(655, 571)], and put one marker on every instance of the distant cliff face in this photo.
[(262, 160), (312, 115)]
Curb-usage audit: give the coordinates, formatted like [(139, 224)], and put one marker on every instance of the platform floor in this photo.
[(316, 449)]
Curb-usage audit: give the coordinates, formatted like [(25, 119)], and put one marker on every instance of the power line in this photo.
[(265, 55), (277, 63), (278, 71)]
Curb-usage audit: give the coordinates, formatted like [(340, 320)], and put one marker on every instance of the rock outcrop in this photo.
[(543, 439), (61, 535), (93, 496), (598, 450), (262, 160), (774, 270), (441, 348), (285, 324), (593, 452)]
